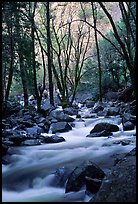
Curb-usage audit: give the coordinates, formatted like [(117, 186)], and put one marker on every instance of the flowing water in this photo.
[(30, 176)]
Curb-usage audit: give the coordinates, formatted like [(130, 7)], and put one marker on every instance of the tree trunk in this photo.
[(49, 56), (23, 78), (98, 54), (11, 65), (131, 65)]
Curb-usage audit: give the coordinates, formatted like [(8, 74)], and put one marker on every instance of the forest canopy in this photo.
[(66, 47)]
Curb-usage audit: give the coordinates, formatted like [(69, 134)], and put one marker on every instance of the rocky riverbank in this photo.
[(25, 127), (120, 184)]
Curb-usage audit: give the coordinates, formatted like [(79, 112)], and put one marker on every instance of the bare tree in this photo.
[(49, 55), (97, 47), (125, 46)]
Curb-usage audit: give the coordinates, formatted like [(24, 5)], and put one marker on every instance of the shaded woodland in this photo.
[(40, 55)]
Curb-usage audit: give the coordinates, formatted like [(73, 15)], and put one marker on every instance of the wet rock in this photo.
[(44, 126), (77, 178), (78, 116), (128, 117), (9, 108), (17, 140), (111, 96), (28, 123), (92, 184), (102, 113), (53, 139), (4, 149), (27, 116), (90, 103), (61, 116), (125, 142), (128, 126), (5, 124), (104, 126), (126, 94), (112, 111), (100, 134), (61, 175), (60, 127), (4, 161), (46, 108), (34, 130), (8, 142), (31, 142), (70, 111), (98, 108), (120, 184)]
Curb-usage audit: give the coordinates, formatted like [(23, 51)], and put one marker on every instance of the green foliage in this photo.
[(16, 88), (88, 12), (101, 16)]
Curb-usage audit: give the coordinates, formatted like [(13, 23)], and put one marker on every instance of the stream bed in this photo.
[(30, 175)]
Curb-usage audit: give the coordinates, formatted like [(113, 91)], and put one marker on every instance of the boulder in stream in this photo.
[(128, 126), (53, 139), (103, 133), (60, 116), (77, 178), (60, 127), (105, 126)]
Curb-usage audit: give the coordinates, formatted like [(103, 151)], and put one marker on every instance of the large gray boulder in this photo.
[(34, 130), (60, 127), (61, 116), (105, 126)]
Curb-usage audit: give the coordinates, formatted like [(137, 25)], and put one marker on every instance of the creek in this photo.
[(30, 175)]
